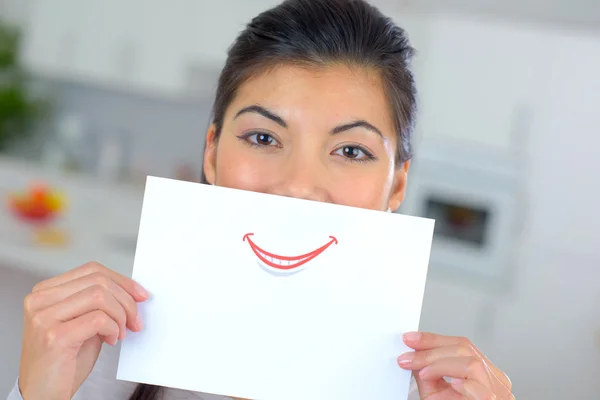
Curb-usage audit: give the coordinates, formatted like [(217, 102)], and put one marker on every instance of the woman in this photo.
[(316, 101)]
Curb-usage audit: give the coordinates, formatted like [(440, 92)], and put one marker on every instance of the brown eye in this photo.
[(354, 153), (351, 152), (264, 139), (260, 139)]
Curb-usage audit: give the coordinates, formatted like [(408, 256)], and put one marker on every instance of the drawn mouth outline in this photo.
[(302, 259)]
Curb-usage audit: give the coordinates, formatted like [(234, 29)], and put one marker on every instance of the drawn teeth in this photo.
[(273, 259), (278, 261)]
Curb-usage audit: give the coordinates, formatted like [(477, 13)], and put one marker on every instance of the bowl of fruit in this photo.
[(38, 204)]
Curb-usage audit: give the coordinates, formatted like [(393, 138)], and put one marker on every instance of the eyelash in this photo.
[(246, 139), (369, 157)]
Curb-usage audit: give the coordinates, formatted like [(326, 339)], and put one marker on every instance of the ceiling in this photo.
[(572, 13)]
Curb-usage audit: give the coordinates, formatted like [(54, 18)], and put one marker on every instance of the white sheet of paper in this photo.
[(327, 325)]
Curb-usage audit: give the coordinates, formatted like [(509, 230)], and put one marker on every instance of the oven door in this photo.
[(474, 212)]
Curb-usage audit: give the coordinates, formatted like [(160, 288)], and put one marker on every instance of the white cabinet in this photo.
[(51, 38), (107, 41), (149, 45), (160, 43), (93, 40), (131, 44), (565, 138), (15, 11), (477, 79), (213, 26)]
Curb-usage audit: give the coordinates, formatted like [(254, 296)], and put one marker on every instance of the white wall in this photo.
[(478, 70), (560, 288), (565, 139)]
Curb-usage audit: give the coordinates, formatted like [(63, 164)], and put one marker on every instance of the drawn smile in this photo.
[(284, 264)]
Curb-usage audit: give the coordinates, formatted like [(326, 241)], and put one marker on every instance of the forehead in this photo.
[(326, 95)]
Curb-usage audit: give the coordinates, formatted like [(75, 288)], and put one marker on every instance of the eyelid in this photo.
[(251, 132), (368, 157), (368, 152)]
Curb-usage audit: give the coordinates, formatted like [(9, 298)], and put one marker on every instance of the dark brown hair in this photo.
[(146, 392), (320, 33)]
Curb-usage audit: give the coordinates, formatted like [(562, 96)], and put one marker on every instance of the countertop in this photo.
[(101, 222)]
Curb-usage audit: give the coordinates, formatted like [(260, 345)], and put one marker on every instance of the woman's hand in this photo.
[(472, 375), (67, 318)]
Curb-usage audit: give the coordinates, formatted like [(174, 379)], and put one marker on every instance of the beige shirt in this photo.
[(102, 384)]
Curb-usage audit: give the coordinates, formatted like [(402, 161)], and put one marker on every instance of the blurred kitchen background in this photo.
[(97, 94)]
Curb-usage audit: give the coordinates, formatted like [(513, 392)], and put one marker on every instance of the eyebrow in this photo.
[(256, 109), (357, 124), (264, 112)]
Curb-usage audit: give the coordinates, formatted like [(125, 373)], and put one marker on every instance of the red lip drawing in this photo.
[(284, 265)]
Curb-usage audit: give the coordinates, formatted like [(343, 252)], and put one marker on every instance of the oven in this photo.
[(476, 199)]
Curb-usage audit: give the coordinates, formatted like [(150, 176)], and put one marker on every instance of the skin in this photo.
[(322, 134), (303, 158)]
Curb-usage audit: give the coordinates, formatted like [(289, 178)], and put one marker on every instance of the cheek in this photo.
[(237, 169), (369, 191), (240, 168)]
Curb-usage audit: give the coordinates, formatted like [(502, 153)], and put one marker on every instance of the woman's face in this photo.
[(322, 134)]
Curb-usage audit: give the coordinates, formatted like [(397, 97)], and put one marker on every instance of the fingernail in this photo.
[(405, 359), (140, 290), (412, 336), (138, 323), (423, 372), (457, 381)]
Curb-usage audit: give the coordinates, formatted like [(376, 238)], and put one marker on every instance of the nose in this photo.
[(302, 182)]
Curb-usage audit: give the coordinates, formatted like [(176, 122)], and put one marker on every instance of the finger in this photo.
[(418, 360), (76, 331), (428, 341), (472, 390), (93, 298), (53, 295), (133, 288), (472, 368), (431, 389)]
